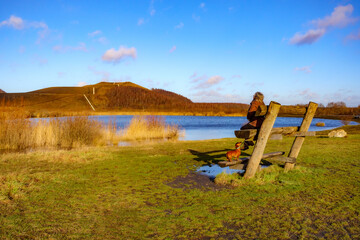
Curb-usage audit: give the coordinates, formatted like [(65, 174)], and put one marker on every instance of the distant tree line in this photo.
[(332, 108)]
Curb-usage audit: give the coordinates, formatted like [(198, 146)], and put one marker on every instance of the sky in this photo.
[(293, 51)]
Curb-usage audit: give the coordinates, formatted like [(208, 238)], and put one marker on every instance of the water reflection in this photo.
[(203, 127), (213, 170)]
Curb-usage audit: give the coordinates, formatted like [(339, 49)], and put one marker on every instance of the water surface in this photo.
[(203, 127)]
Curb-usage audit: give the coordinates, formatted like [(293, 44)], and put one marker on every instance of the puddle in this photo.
[(214, 170)]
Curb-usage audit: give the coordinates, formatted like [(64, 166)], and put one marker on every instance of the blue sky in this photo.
[(209, 51)]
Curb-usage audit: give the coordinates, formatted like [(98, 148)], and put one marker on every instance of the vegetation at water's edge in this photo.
[(17, 132), (146, 191)]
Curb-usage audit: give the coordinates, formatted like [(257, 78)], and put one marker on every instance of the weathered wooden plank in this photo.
[(226, 163), (243, 167), (249, 133), (282, 159), (263, 136), (297, 144), (303, 134), (284, 130), (241, 160), (239, 166)]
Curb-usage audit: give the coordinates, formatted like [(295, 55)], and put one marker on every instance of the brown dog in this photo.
[(234, 153)]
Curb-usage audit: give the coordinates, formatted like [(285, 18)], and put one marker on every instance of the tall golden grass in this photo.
[(150, 127), (18, 132)]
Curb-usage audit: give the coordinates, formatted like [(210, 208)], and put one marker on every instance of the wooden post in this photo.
[(264, 134), (295, 149), (89, 102)]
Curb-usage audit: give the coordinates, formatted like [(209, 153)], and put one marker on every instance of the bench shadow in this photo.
[(212, 156)]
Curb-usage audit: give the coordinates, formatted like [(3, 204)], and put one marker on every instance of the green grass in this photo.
[(126, 193)]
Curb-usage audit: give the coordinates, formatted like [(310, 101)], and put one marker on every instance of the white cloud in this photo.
[(309, 37), (40, 60), (196, 18), (95, 33), (172, 49), (349, 96), (202, 5), (179, 26), (193, 75), (306, 69), (14, 22), (307, 94), (37, 25), (353, 36), (81, 84), (215, 80), (105, 76), (196, 78), (340, 17), (209, 82), (236, 76), (152, 10), (102, 40), (141, 21), (115, 56), (62, 49), (18, 23), (217, 96)]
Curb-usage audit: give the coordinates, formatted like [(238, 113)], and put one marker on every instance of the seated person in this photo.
[(255, 115)]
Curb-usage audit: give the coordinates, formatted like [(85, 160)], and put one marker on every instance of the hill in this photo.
[(118, 97), (1, 91)]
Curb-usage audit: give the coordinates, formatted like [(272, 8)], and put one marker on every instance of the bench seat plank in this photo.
[(249, 133), (282, 159)]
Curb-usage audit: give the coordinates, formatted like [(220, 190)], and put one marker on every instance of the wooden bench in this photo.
[(251, 164)]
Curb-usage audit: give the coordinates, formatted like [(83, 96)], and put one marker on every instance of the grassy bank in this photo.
[(149, 191)]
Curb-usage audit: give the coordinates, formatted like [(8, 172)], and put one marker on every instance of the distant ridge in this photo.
[(116, 97), (1, 91)]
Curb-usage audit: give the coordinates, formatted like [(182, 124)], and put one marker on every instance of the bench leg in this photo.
[(297, 144), (260, 145)]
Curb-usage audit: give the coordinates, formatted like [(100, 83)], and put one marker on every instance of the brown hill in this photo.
[(119, 97), (1, 91)]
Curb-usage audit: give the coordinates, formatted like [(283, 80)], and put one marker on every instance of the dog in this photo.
[(234, 153)]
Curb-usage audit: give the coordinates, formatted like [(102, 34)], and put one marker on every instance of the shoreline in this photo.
[(141, 113)]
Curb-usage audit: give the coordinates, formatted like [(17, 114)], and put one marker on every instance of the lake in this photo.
[(203, 127)]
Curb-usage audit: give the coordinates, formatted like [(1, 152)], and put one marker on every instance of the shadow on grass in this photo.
[(211, 157)]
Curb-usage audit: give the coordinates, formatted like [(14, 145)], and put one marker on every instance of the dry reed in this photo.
[(150, 127), (18, 132)]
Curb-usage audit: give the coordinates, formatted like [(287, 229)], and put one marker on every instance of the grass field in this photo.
[(150, 191)]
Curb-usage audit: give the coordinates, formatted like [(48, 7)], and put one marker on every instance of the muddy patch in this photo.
[(195, 181)]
